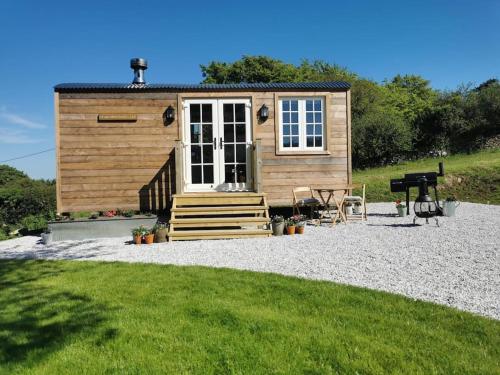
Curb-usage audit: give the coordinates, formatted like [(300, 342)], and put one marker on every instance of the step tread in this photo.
[(220, 195), (225, 232), (219, 220), (219, 208)]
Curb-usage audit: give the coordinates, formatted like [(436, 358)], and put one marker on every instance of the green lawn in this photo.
[(85, 317), (472, 178)]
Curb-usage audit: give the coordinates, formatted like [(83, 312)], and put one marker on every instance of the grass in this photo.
[(471, 178), (86, 317)]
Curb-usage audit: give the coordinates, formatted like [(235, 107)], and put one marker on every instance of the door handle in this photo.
[(215, 143), (221, 143)]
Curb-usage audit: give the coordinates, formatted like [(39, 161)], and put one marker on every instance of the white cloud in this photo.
[(16, 119), (17, 137)]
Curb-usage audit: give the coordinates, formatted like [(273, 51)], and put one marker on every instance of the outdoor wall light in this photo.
[(169, 115), (264, 112)]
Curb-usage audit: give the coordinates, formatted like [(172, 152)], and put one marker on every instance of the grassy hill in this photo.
[(471, 178)]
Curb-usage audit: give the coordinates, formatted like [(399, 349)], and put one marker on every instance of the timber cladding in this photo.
[(130, 163)]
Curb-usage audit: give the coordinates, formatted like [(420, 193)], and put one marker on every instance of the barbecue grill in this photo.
[(425, 206)]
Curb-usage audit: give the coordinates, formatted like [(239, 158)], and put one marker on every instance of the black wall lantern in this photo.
[(264, 112), (169, 115)]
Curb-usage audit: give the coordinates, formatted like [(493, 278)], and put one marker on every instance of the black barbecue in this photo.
[(425, 206)]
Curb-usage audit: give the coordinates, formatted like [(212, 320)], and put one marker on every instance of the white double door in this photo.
[(218, 145)]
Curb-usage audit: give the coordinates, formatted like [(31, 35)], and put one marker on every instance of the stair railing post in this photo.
[(179, 167), (257, 166)]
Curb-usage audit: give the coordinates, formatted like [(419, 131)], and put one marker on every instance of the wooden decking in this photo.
[(218, 215)]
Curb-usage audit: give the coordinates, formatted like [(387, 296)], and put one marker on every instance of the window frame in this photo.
[(302, 149)]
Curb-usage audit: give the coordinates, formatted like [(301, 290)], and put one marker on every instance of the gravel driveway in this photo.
[(457, 264)]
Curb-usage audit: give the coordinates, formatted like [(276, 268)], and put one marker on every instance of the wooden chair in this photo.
[(353, 199), (309, 201)]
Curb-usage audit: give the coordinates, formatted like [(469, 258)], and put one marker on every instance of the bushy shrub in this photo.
[(34, 223), (379, 138)]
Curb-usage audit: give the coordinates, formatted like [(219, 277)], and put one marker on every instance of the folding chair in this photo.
[(308, 201), (353, 199)]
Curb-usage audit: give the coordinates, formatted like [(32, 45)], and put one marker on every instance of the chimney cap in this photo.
[(138, 63)]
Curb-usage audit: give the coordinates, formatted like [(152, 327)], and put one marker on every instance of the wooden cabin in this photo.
[(147, 146)]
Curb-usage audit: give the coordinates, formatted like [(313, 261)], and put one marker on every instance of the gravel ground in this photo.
[(457, 264)]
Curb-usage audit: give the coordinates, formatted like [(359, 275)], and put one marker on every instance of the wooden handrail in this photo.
[(257, 166), (179, 167)]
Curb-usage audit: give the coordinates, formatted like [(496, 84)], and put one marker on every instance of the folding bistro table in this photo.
[(335, 199)]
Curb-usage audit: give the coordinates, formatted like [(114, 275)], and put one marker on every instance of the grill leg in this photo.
[(437, 221)]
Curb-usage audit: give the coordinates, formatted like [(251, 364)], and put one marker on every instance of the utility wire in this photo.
[(28, 155)]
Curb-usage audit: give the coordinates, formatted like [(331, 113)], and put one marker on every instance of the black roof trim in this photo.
[(125, 87)]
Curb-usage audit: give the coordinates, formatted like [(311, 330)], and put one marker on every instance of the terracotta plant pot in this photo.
[(300, 230), (161, 235), (290, 229), (149, 238), (137, 240)]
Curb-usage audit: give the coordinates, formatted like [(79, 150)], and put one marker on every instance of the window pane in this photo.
[(194, 111), (206, 115), (195, 133), (207, 133), (295, 117), (195, 154), (241, 153), (319, 129), (228, 113), (208, 174), (295, 129), (229, 171), (295, 141), (317, 105), (309, 117), (286, 142), (240, 112), (309, 105), (196, 174), (319, 141), (228, 132), (208, 154), (286, 105), (310, 141), (317, 117), (294, 105), (286, 118), (229, 153), (286, 129), (310, 129), (241, 173), (240, 133)]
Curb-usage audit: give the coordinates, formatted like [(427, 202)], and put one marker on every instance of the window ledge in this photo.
[(302, 152)]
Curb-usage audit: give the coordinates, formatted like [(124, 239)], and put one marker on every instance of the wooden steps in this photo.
[(218, 215)]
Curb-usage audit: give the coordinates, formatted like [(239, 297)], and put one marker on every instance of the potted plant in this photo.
[(449, 206), (401, 208), (138, 233), (149, 236), (356, 209), (290, 225), (160, 231), (278, 225), (301, 225), (348, 208), (128, 213)]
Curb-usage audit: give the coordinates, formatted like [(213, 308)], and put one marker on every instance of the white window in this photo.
[(301, 124)]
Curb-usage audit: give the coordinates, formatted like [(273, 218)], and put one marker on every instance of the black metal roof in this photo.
[(126, 87)]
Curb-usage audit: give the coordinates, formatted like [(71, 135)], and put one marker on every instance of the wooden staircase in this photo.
[(199, 216)]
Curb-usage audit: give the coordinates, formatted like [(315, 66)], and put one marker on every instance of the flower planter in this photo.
[(300, 230), (449, 208), (290, 229), (137, 240), (278, 228), (149, 238), (161, 235), (401, 211)]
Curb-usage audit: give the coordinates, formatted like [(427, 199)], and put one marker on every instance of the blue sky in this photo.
[(48, 42)]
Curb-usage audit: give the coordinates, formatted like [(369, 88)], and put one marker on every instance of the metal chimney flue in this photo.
[(139, 65)]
